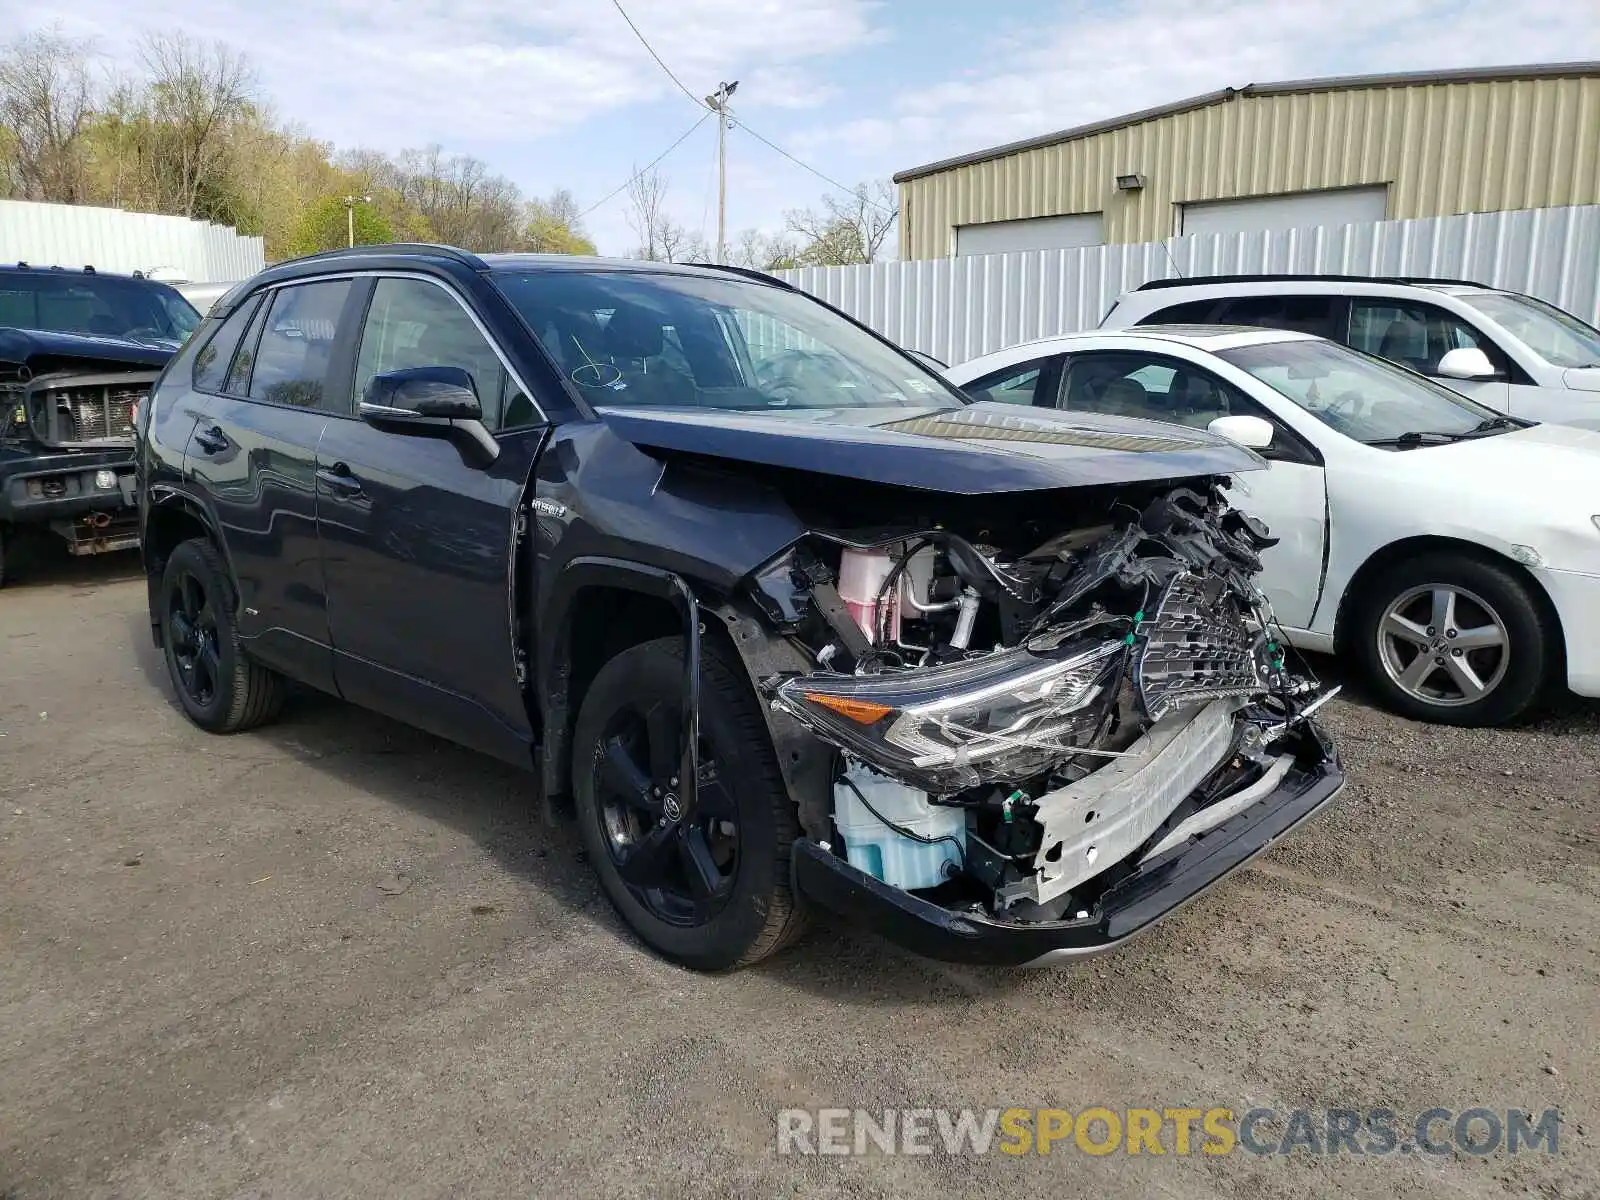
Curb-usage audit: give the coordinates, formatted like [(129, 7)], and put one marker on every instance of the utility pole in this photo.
[(350, 203), (717, 102)]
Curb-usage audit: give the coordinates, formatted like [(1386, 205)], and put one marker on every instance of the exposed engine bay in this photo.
[(1022, 719)]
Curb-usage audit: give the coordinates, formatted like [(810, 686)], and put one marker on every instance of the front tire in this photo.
[(708, 886), (219, 687), (1454, 640)]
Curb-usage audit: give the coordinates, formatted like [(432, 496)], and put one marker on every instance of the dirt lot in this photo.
[(340, 958)]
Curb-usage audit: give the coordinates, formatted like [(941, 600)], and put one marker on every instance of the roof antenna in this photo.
[(1176, 270)]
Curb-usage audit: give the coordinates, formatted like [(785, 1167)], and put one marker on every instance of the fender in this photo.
[(556, 671)]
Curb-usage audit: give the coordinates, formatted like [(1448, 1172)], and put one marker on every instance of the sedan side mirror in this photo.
[(431, 401), (1466, 362), (1254, 433)]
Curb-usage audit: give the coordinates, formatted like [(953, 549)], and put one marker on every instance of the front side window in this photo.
[(1364, 398), (1556, 336), (414, 323), (631, 338), (1017, 384), (292, 357), (1414, 335)]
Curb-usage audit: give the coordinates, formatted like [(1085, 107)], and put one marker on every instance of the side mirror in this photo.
[(430, 401), (1254, 433), (1466, 362)]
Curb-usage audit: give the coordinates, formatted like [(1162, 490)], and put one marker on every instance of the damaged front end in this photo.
[(1044, 744)]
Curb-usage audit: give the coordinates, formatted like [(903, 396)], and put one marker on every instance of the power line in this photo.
[(693, 99), (808, 167), (704, 117)]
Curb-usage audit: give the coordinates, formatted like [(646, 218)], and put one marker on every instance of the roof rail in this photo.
[(749, 273), (465, 257), (1157, 284)]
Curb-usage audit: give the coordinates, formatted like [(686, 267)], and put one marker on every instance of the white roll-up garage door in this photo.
[(1343, 206), (1033, 233)]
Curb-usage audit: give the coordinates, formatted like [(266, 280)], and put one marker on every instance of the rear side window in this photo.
[(291, 360), (1305, 314), (1195, 312), (211, 364)]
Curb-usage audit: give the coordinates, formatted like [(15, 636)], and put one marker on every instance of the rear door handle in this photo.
[(213, 440), (340, 479)]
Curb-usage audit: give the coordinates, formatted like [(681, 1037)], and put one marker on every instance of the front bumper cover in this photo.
[(1155, 889)]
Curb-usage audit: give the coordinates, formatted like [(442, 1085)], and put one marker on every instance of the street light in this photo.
[(717, 102), (350, 203)]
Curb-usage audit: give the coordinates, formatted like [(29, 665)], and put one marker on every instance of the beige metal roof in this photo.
[(1339, 83)]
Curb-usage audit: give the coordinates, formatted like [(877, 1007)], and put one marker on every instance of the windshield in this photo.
[(105, 305), (634, 338), (1555, 336), (1362, 397)]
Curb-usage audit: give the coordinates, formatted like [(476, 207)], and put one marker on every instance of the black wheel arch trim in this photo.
[(554, 671), (166, 498)]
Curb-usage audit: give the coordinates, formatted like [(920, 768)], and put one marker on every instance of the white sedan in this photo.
[(1453, 552)]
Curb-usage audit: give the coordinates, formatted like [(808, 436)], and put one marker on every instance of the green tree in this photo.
[(554, 227), (324, 225)]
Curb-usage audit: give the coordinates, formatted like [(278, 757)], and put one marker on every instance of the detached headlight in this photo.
[(997, 719)]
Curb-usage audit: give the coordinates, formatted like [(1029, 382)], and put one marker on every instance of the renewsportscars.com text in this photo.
[(1215, 1131)]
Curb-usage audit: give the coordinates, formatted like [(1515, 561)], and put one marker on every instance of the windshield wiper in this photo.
[(1490, 424), (1415, 438)]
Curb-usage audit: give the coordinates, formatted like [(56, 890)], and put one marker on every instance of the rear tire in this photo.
[(707, 888), (1454, 640), (219, 687)]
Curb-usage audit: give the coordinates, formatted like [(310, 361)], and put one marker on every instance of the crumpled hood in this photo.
[(973, 450), (23, 345)]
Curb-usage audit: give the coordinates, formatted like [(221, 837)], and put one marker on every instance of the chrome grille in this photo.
[(1198, 648), (96, 412)]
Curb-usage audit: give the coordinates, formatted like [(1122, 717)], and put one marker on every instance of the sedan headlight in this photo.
[(997, 719)]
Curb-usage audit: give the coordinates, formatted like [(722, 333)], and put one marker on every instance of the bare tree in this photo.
[(46, 102), (647, 197), (195, 93), (849, 230)]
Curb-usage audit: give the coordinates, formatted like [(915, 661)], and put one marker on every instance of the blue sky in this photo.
[(560, 94)]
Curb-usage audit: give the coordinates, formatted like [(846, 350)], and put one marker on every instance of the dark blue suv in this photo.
[(79, 351), (780, 615)]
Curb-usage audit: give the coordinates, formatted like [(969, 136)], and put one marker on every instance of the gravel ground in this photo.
[(340, 958)]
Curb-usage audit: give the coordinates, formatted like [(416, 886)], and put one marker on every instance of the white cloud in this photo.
[(388, 73), (1101, 62)]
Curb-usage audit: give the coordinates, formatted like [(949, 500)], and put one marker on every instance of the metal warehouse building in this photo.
[(1273, 156)]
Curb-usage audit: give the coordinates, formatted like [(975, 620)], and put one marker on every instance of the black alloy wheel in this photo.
[(192, 628), (677, 857), (700, 873)]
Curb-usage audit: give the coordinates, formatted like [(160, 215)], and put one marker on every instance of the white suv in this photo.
[(1508, 351)]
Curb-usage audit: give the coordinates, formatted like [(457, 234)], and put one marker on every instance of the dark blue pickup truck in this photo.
[(79, 351)]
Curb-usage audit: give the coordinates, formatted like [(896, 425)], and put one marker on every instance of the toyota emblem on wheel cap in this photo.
[(671, 806)]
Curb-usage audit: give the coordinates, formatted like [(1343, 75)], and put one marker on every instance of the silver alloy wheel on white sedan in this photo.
[(1443, 644)]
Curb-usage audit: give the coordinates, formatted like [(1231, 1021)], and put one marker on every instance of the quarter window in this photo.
[(1195, 312), (291, 361), (413, 323), (211, 364)]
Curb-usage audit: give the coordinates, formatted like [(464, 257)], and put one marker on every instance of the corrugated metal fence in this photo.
[(69, 235), (959, 308)]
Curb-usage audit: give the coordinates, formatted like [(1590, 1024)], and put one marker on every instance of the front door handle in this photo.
[(340, 479), (212, 441)]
